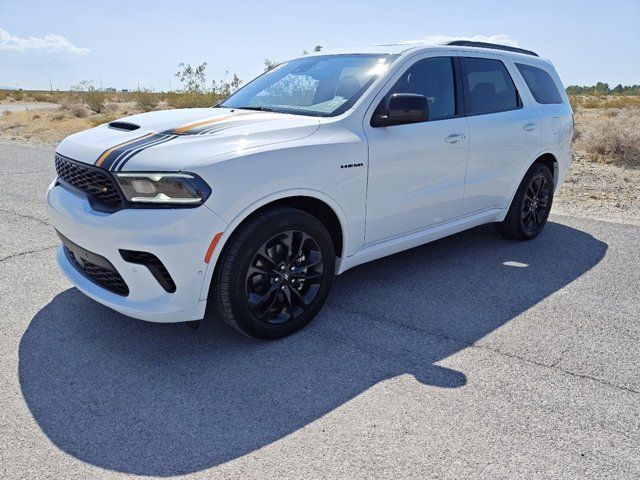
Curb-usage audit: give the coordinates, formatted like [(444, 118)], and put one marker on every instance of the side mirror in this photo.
[(403, 108)]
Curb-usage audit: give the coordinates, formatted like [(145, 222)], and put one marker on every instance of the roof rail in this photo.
[(494, 46)]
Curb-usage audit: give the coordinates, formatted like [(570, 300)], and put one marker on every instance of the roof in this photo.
[(399, 48)]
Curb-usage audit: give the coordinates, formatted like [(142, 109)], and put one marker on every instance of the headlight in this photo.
[(170, 189)]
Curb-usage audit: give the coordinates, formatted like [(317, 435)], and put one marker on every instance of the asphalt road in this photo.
[(472, 357), (22, 106)]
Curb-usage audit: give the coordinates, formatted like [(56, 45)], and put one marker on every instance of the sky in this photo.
[(126, 44)]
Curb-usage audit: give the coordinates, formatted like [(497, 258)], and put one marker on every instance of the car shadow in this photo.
[(164, 400)]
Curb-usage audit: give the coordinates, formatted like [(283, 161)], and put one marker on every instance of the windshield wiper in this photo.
[(257, 109)]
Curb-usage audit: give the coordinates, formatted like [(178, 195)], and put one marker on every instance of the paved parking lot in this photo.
[(472, 357)]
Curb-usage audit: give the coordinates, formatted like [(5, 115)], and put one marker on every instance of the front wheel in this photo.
[(275, 274), (531, 205)]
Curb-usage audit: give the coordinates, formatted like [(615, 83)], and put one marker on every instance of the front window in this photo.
[(325, 85)]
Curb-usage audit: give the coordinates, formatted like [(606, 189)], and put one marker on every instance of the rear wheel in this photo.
[(275, 274), (531, 205)]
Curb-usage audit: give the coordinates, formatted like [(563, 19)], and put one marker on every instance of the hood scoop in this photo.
[(124, 126)]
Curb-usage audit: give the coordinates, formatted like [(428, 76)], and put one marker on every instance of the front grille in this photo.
[(94, 181), (95, 267), (155, 266)]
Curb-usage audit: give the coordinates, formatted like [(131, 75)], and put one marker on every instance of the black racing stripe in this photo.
[(157, 138), (133, 154), (115, 154)]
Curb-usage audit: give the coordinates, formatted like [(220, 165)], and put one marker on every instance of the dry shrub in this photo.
[(6, 113), (17, 95), (622, 102), (76, 109), (613, 139), (146, 100), (58, 116), (94, 100), (14, 125), (100, 119), (35, 116), (603, 101), (591, 102), (40, 97), (111, 108), (190, 99)]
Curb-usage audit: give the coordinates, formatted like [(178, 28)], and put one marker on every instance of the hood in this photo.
[(168, 140)]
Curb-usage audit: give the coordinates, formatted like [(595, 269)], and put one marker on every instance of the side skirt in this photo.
[(415, 239)]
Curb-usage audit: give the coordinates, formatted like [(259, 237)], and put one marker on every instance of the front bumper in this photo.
[(178, 237)]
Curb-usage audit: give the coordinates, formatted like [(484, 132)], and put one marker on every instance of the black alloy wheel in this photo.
[(531, 205), (274, 273), (284, 277), (535, 208)]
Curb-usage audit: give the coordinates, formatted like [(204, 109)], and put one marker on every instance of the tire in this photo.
[(275, 274), (531, 205)]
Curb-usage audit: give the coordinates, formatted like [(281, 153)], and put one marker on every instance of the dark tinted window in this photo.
[(542, 86), (433, 78), (488, 86)]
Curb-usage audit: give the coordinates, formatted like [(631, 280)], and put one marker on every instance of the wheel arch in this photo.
[(544, 157), (314, 202), (549, 160)]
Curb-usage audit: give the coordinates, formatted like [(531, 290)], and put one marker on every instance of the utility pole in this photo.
[(50, 84)]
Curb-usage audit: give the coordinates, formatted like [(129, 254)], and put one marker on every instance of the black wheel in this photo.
[(275, 273), (531, 205)]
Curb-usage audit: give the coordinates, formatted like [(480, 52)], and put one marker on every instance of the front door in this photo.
[(417, 171)]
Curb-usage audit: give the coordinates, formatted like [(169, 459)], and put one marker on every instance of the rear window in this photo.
[(488, 87), (542, 86)]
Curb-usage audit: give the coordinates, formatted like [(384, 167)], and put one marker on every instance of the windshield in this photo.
[(325, 85)]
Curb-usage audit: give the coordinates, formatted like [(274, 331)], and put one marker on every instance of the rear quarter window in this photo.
[(488, 87), (542, 86)]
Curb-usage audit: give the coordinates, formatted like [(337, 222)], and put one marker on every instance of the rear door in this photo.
[(416, 171), (504, 134)]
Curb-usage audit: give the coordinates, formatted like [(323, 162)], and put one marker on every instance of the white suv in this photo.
[(319, 165)]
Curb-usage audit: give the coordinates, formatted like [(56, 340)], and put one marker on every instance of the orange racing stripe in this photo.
[(208, 121)]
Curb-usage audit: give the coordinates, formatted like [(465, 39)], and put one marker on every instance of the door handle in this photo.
[(529, 127), (454, 138)]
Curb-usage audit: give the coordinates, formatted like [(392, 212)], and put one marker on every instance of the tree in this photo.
[(269, 64), (235, 82), (317, 48), (193, 79)]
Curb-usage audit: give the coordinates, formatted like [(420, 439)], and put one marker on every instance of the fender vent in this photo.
[(124, 126)]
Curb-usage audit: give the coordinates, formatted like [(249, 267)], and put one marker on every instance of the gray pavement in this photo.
[(472, 357), (22, 106)]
